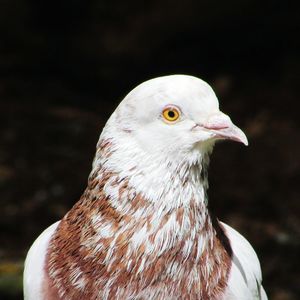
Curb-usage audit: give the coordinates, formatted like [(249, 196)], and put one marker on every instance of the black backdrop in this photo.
[(64, 66)]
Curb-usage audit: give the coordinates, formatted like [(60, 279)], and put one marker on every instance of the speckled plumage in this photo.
[(142, 229)]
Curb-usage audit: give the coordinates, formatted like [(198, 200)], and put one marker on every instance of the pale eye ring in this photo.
[(171, 114)]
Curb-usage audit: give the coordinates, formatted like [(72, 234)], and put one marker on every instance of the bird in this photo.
[(142, 228)]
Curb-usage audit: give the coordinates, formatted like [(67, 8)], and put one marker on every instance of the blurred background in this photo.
[(65, 65)]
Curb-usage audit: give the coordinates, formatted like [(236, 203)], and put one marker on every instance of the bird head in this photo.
[(159, 139), (174, 115)]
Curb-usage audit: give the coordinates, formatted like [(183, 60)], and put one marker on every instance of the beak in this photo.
[(223, 128)]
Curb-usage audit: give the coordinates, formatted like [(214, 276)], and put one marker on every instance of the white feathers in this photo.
[(34, 265), (245, 277)]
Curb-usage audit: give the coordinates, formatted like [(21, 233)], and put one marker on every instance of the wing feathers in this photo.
[(246, 263)]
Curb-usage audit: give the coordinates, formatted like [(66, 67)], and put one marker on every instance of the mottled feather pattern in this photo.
[(99, 253)]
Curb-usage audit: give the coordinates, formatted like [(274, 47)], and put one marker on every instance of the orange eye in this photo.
[(171, 114)]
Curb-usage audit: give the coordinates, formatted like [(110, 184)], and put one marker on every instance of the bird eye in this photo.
[(171, 114)]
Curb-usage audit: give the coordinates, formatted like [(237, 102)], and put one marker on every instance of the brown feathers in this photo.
[(95, 252)]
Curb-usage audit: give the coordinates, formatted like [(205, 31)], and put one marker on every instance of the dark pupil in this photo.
[(171, 114)]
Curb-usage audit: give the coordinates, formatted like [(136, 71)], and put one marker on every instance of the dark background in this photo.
[(64, 66)]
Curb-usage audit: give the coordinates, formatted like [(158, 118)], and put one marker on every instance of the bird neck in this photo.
[(165, 183), (168, 196), (134, 244)]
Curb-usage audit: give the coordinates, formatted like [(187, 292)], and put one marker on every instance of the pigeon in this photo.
[(142, 228)]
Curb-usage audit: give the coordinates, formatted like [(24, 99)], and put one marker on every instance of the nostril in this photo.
[(218, 122), (216, 126)]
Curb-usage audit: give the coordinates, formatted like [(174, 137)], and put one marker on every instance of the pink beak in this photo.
[(221, 125)]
